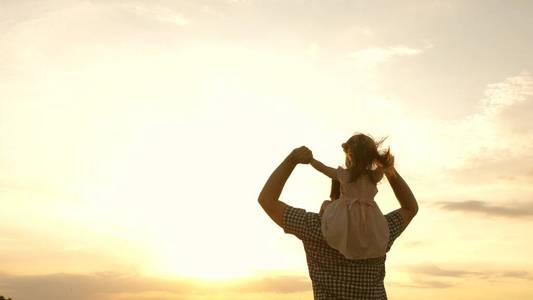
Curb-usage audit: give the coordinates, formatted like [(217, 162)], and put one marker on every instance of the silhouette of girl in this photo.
[(352, 222), (334, 194)]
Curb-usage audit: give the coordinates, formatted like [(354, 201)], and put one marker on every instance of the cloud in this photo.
[(518, 275), (162, 14), (424, 284), (414, 244), (278, 284), (113, 285), (427, 276), (512, 210), (433, 277), (76, 286), (496, 143), (374, 56), (439, 272), (497, 165), (513, 90), (435, 271)]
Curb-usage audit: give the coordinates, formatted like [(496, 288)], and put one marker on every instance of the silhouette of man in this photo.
[(332, 275)]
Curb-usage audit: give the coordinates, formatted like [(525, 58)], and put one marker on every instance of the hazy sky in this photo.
[(136, 136)]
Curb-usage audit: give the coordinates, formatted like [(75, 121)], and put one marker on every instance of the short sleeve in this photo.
[(304, 225), (342, 175), (396, 226)]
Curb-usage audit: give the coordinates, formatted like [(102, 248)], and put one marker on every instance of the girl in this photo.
[(353, 224), (333, 195)]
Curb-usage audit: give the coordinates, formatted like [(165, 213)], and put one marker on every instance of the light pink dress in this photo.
[(354, 224)]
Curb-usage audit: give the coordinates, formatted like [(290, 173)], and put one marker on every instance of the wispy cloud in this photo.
[(277, 284), (436, 271), (518, 275), (111, 285), (376, 55), (513, 90), (424, 284), (426, 276), (417, 243), (162, 14), (494, 144), (514, 210)]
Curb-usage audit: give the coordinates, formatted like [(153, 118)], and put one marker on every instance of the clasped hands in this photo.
[(301, 155)]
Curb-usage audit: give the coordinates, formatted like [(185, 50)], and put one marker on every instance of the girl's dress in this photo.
[(354, 224)]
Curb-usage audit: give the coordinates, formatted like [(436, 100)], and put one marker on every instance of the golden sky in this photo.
[(136, 136)]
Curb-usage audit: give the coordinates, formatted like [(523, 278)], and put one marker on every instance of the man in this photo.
[(332, 275)]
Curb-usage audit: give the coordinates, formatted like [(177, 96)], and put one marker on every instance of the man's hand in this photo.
[(390, 171), (301, 155), (269, 196)]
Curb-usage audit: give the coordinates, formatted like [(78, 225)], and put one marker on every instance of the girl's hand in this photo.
[(301, 155)]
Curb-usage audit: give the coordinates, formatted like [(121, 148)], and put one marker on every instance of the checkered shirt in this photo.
[(332, 275)]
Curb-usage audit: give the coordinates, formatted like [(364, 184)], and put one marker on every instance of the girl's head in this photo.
[(363, 155)]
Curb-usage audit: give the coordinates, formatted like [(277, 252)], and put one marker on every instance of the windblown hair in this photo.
[(366, 156), (335, 190)]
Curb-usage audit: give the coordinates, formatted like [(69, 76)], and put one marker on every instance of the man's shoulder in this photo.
[(394, 217), (301, 223), (300, 215), (396, 225)]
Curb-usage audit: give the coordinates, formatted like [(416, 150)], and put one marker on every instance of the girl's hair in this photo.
[(365, 156), (335, 190)]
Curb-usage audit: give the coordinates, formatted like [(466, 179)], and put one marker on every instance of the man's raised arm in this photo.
[(269, 196), (409, 206)]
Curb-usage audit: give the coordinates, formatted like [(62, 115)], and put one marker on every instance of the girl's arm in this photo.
[(328, 171)]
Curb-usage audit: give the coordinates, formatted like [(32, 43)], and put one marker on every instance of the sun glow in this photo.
[(145, 196), (137, 137), (173, 261)]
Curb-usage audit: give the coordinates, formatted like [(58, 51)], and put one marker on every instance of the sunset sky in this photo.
[(135, 137)]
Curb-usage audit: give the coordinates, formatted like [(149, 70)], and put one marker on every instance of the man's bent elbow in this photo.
[(263, 201), (411, 209), (414, 209)]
